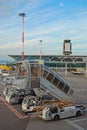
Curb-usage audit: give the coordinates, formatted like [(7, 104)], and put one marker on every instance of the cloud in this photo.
[(5, 10), (80, 13), (61, 4), (9, 46), (31, 5), (50, 24)]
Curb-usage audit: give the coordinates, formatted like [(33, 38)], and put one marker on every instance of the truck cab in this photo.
[(12, 97)]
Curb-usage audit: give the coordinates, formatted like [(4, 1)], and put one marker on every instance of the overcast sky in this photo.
[(51, 21)]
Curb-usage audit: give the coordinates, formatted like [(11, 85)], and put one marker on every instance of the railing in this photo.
[(57, 81)]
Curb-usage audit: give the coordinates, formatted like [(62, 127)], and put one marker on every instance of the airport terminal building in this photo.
[(65, 61)]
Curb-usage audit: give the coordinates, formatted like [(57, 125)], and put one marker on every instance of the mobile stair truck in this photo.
[(21, 87), (52, 85)]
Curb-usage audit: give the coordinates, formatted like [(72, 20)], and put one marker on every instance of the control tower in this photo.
[(67, 47)]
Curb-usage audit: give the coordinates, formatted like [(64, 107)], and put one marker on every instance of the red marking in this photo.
[(22, 55), (22, 37), (13, 109)]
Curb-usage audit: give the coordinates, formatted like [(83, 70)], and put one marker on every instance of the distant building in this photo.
[(52, 58), (67, 47)]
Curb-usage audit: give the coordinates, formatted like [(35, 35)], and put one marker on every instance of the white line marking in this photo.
[(79, 120), (82, 96), (13, 109), (74, 125)]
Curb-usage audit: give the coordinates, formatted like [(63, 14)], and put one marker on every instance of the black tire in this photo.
[(56, 117), (78, 113), (25, 113)]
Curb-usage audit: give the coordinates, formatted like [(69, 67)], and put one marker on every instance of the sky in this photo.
[(51, 21)]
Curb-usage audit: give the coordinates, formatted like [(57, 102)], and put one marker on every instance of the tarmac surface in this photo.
[(12, 117), (9, 121)]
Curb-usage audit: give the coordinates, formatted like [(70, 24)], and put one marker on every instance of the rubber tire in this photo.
[(56, 117), (25, 113), (78, 113)]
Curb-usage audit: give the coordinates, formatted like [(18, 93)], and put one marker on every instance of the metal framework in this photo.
[(22, 15)]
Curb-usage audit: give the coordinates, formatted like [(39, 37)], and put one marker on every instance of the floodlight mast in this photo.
[(41, 50), (22, 15)]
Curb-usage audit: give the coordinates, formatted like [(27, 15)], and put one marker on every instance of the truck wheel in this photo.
[(78, 113), (25, 113), (56, 117)]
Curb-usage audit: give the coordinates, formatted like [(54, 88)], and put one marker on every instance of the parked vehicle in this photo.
[(9, 80), (56, 113), (29, 101), (14, 96)]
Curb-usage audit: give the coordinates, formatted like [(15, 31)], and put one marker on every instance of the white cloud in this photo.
[(81, 12), (61, 5), (46, 24), (52, 35)]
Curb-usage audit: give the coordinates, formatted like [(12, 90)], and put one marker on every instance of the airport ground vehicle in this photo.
[(14, 96), (15, 92), (8, 80), (56, 113), (29, 101), (51, 90), (52, 85), (45, 103), (5, 74), (5, 67)]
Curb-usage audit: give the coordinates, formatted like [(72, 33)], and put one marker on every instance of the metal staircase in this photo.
[(55, 85)]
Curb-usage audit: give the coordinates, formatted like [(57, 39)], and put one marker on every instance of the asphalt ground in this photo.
[(12, 117), (9, 121), (79, 85)]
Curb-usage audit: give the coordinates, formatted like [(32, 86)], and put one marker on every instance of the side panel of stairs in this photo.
[(55, 85)]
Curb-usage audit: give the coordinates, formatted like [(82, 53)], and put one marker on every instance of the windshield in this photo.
[(25, 100)]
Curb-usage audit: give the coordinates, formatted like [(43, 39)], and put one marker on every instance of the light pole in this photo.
[(22, 15), (86, 69), (40, 49)]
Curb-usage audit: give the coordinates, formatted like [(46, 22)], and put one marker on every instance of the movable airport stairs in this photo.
[(55, 85)]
